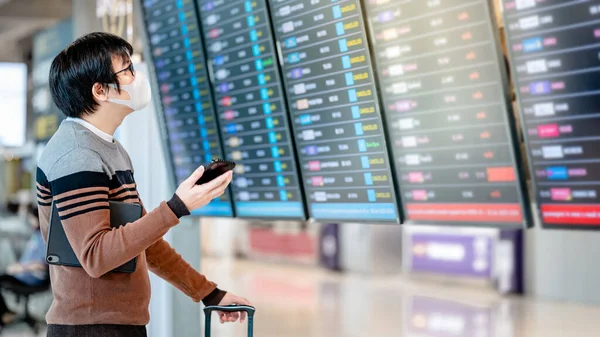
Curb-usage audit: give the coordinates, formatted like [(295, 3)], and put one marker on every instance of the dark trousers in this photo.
[(99, 330), (4, 281)]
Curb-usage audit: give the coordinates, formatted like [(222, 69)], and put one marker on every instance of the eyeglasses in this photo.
[(130, 68)]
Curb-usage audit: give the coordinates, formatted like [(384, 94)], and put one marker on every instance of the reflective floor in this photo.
[(302, 302)]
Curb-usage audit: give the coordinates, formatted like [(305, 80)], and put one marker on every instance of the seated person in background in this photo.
[(12, 207), (31, 270)]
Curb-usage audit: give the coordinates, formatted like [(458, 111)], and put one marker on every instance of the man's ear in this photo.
[(100, 92)]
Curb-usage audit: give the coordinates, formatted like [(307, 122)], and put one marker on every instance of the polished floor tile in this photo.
[(301, 302), (295, 301)]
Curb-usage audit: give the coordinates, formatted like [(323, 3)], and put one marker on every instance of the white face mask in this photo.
[(138, 90)]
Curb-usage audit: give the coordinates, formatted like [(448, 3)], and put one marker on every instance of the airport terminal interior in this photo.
[(405, 168)]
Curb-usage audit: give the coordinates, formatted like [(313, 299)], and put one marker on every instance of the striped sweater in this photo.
[(81, 172)]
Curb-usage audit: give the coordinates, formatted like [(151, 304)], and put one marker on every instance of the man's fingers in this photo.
[(191, 181), (213, 194), (223, 179), (225, 317), (244, 301), (218, 191), (238, 315), (217, 185), (233, 317), (230, 317)]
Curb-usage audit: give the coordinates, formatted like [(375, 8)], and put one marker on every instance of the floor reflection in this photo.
[(433, 317), (301, 301)]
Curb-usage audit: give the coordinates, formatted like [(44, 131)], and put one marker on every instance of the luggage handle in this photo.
[(228, 308)]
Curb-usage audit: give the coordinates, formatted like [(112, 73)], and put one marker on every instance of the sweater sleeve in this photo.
[(167, 264), (82, 202)]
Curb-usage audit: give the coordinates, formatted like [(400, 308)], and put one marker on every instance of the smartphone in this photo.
[(215, 168)]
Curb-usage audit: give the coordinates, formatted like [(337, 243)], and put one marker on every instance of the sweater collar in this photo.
[(105, 136)]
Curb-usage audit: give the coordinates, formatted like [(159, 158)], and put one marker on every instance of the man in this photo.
[(31, 270), (82, 167)]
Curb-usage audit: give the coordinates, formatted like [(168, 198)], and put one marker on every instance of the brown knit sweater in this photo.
[(81, 172)]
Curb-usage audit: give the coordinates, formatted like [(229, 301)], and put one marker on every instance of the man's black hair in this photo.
[(86, 61)]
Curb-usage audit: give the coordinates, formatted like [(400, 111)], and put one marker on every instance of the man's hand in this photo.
[(196, 196), (229, 299)]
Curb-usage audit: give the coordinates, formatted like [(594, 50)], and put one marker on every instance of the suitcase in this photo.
[(228, 308)]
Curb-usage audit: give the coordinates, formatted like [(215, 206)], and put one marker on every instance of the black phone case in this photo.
[(214, 169)]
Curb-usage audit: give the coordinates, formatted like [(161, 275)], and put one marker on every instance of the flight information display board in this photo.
[(189, 118), (251, 108), (554, 48), (335, 116), (445, 104)]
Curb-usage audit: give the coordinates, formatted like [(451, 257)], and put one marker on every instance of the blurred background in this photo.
[(482, 109)]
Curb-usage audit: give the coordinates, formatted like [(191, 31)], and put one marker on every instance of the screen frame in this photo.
[(520, 182), (23, 99), (286, 113), (394, 189), (535, 204), (160, 115)]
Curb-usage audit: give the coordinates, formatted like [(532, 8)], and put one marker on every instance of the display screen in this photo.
[(251, 108), (47, 44), (445, 105), (13, 104), (335, 116), (554, 49), (189, 116)]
